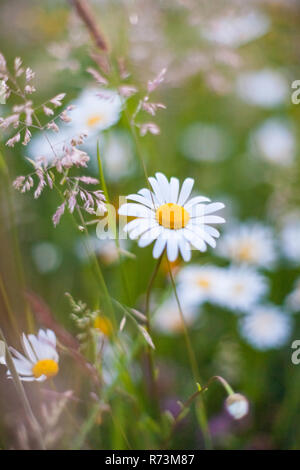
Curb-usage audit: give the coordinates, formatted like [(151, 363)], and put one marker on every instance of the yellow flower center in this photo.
[(172, 216), (47, 367), (203, 283), (104, 325), (245, 252), (94, 119)]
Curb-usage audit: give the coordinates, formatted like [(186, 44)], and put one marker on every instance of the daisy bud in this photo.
[(237, 405)]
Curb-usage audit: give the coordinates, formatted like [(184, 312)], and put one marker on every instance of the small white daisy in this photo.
[(167, 318), (95, 110), (168, 216), (240, 288), (234, 29), (41, 359), (274, 140), (250, 243), (267, 88), (290, 236), (201, 282), (293, 299), (266, 327)]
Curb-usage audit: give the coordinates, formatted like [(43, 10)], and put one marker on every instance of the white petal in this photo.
[(141, 200), (28, 349), (52, 337), (215, 206), (149, 236), (135, 210), (20, 356), (149, 195), (134, 223), (209, 219), (211, 230), (163, 185), (142, 227), (185, 249), (159, 246), (174, 190), (172, 247), (156, 188), (185, 191), (194, 239), (23, 367), (196, 200), (202, 234)]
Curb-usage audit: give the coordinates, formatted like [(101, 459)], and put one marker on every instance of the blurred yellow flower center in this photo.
[(172, 216), (204, 283), (94, 119), (245, 252), (104, 325), (47, 367)]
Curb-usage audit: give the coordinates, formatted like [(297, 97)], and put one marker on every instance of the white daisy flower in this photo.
[(168, 216), (275, 141), (201, 282), (205, 142), (96, 110), (167, 318), (290, 236), (293, 299), (240, 288), (250, 243), (234, 29), (266, 327), (41, 359), (266, 88)]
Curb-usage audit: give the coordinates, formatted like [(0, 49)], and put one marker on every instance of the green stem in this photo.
[(194, 365)]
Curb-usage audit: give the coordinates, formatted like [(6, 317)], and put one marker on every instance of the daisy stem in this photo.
[(16, 245), (150, 358), (20, 389), (10, 312), (193, 363)]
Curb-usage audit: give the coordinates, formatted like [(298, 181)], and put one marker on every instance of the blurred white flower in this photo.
[(46, 257), (290, 236), (201, 282), (167, 318), (95, 110), (41, 360), (240, 288), (266, 88), (237, 405), (275, 141), (237, 29), (205, 142), (118, 156), (49, 144), (168, 216), (250, 243), (293, 299), (266, 327)]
